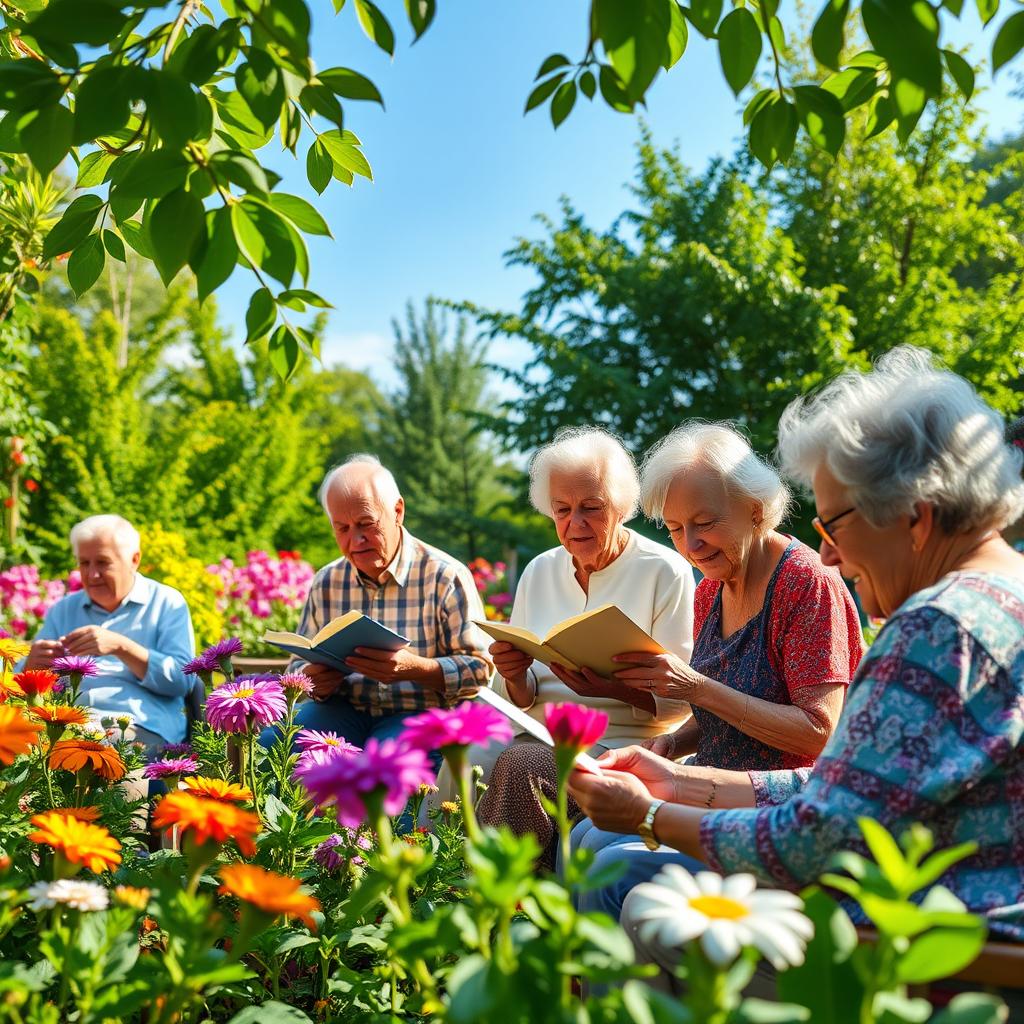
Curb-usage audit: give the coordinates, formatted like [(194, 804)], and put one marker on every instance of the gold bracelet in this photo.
[(743, 717), (711, 796)]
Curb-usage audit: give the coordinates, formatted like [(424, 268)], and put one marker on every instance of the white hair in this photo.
[(907, 431), (586, 448), (383, 480), (721, 448), (123, 534)]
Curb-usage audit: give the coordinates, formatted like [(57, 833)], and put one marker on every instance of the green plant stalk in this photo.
[(458, 764), (564, 759)]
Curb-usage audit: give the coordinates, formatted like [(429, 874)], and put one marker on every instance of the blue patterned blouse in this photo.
[(931, 732)]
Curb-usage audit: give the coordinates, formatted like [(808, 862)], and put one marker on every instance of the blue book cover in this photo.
[(338, 640)]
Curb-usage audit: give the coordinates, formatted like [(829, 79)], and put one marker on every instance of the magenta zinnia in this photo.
[(466, 723), (171, 767), (245, 702), (573, 726), (386, 768), (315, 757), (73, 665)]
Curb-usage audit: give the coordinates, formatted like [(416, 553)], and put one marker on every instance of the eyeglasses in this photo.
[(823, 526)]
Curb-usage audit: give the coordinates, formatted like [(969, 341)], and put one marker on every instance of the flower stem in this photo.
[(458, 763)]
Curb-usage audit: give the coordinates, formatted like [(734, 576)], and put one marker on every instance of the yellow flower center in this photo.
[(248, 692), (329, 741), (720, 907)]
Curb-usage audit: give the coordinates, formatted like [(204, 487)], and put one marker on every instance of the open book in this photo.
[(529, 724), (338, 640), (589, 640)]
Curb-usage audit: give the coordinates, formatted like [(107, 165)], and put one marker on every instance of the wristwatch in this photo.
[(646, 827)]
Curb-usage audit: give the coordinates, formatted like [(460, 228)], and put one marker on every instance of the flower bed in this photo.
[(288, 890)]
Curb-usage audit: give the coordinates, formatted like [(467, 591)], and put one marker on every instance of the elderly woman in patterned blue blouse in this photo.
[(913, 482)]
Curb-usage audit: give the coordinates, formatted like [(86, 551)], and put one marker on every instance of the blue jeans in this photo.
[(641, 865)]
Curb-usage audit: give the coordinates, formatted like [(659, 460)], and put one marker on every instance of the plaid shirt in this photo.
[(427, 596)]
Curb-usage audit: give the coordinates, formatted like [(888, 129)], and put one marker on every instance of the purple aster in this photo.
[(327, 854), (73, 665), (200, 665), (317, 756), (313, 739), (467, 723), (169, 750), (168, 767), (346, 780), (224, 649), (245, 702)]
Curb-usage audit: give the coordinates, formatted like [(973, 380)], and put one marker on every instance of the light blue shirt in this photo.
[(156, 617)]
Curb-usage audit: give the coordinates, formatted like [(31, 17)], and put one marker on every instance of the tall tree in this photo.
[(430, 434)]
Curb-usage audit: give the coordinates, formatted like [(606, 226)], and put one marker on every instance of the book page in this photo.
[(335, 626), (277, 636), (525, 641), (594, 638)]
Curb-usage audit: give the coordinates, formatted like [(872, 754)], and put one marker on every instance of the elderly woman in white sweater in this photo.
[(587, 483)]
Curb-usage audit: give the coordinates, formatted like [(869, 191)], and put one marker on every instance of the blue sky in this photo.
[(460, 172)]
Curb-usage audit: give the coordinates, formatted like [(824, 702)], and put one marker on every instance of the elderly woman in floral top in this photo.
[(913, 482)]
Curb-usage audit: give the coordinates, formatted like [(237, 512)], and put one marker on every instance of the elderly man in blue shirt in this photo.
[(138, 630)]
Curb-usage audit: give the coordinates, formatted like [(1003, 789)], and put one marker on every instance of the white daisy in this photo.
[(69, 891), (726, 914)]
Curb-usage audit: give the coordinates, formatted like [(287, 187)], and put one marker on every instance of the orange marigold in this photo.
[(34, 682), (74, 755), (90, 813), (208, 820), (217, 789), (273, 894), (17, 734), (80, 842), (63, 714)]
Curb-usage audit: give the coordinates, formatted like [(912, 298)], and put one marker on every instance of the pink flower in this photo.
[(297, 681), (466, 723), (168, 767), (312, 739), (74, 665), (245, 702), (346, 780), (574, 726), (317, 756)]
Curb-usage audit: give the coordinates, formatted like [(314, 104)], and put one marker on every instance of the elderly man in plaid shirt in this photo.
[(410, 587)]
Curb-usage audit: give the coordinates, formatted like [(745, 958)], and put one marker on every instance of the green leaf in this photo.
[(961, 72), (152, 175), (773, 131), (939, 863), (987, 10), (302, 214), (350, 84), (264, 239), (955, 6), (318, 99), (757, 102), (319, 166), (761, 1011), (28, 84), (260, 83), (973, 1008), (829, 32), (133, 233), (588, 84), (909, 100), (906, 34), (305, 296), (102, 103), (220, 255), (238, 120), (612, 89), (678, 35), (704, 15), (635, 38), (556, 60), (78, 21), (421, 15), (543, 91), (175, 226), (113, 244), (285, 354), (563, 102), (271, 1012), (375, 25), (171, 104), (739, 48), (343, 148), (852, 87), (240, 170), (93, 169), (885, 851), (200, 55), (880, 115), (260, 316), (46, 136), (86, 265), (939, 953), (1009, 41), (891, 1007), (822, 116)]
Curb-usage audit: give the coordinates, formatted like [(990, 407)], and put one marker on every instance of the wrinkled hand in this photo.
[(510, 662), (586, 683), (326, 680), (92, 640), (657, 775), (614, 801), (663, 745), (666, 675), (390, 666), (42, 653)]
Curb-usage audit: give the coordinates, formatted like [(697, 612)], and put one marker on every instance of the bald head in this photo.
[(366, 511)]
